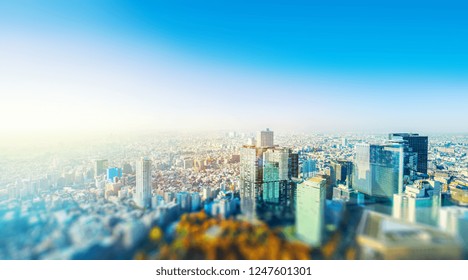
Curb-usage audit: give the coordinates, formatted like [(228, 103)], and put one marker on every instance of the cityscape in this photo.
[(236, 195), (233, 130)]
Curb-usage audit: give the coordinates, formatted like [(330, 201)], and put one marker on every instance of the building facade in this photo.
[(378, 169), (265, 138), (143, 183), (310, 210), (418, 144)]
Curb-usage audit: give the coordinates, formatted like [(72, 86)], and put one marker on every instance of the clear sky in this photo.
[(326, 66)]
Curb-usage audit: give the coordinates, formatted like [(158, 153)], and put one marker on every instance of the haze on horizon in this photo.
[(112, 66)]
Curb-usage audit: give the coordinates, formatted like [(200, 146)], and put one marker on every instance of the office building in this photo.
[(293, 165), (417, 144), (195, 201), (344, 142), (419, 203), (251, 178), (340, 172), (206, 193), (310, 210), (309, 168), (266, 178), (143, 183), (378, 169), (265, 138), (184, 200), (113, 172), (275, 173)]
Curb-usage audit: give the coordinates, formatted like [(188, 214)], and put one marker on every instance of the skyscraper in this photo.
[(340, 171), (184, 200), (378, 169), (293, 165), (344, 142), (310, 210), (309, 168), (362, 168), (275, 173), (143, 183), (265, 177), (251, 178), (265, 138), (113, 172), (418, 144)]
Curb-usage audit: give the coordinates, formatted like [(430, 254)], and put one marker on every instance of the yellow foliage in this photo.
[(235, 240), (155, 234)]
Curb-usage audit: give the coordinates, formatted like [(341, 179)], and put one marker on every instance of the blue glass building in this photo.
[(113, 172), (378, 169)]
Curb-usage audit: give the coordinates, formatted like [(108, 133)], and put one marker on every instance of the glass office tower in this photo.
[(379, 169), (418, 144)]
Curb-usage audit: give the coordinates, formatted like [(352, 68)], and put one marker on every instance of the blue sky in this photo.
[(290, 65)]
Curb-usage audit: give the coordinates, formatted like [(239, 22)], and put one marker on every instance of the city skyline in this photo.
[(233, 130), (144, 197), (94, 67)]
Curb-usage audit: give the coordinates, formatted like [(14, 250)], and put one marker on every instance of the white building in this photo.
[(206, 193), (419, 203), (143, 183), (310, 210)]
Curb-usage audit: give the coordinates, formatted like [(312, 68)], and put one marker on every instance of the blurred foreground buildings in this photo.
[(393, 196)]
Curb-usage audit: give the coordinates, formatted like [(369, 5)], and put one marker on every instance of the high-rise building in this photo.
[(275, 173), (340, 172), (309, 168), (195, 201), (100, 167), (265, 138), (113, 172), (251, 178), (206, 195), (265, 176), (293, 165), (143, 183), (344, 142), (184, 200), (310, 210), (378, 169), (418, 144)]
